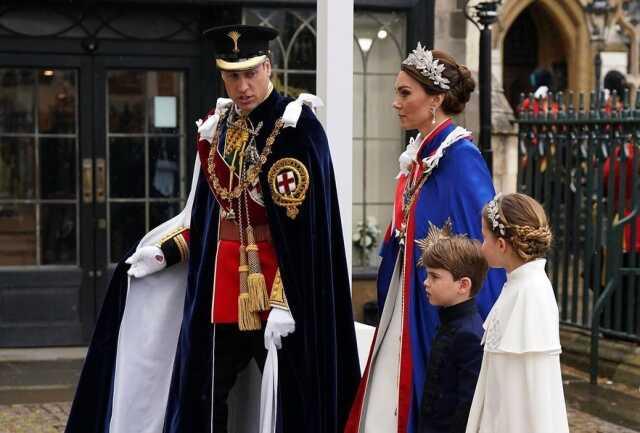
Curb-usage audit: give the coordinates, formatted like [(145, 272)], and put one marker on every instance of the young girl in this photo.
[(520, 384)]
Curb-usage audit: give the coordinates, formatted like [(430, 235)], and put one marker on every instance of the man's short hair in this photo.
[(457, 254)]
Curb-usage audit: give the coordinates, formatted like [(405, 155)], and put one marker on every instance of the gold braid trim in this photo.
[(182, 247), (170, 235), (278, 298), (252, 172)]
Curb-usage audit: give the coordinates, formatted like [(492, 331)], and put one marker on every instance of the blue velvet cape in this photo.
[(318, 363), (458, 188)]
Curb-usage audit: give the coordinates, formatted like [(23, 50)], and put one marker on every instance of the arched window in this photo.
[(294, 50), (379, 47)]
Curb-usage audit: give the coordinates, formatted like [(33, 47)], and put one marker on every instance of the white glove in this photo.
[(207, 128), (147, 260), (279, 324)]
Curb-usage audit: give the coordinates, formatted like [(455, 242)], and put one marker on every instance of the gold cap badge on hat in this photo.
[(234, 37)]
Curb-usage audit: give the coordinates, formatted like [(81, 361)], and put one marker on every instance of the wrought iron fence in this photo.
[(582, 163)]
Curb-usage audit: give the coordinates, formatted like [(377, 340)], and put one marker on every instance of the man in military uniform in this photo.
[(259, 250)]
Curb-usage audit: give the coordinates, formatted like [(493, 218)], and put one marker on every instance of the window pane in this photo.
[(382, 159), (44, 21), (302, 54), (57, 101), (301, 83), (58, 168), (382, 119), (17, 96), (164, 167), (359, 109), (126, 101), (278, 52), (161, 212), (382, 217), (127, 227), (384, 56), (377, 219), (378, 216), (59, 237), (277, 78), (164, 93), (358, 175), (158, 25), (357, 58), (17, 168), (17, 235), (126, 167), (382, 34), (289, 21)]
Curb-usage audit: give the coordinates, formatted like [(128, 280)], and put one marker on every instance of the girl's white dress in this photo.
[(520, 385)]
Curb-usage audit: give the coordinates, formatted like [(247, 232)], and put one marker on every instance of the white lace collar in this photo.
[(408, 157)]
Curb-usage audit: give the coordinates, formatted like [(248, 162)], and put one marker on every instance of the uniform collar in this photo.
[(266, 106), (466, 308)]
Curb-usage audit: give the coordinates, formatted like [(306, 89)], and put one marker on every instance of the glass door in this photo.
[(143, 146), (45, 241), (93, 154)]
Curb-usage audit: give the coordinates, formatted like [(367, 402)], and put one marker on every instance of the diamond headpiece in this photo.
[(493, 212), (422, 59)]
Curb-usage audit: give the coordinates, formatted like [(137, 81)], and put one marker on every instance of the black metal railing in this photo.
[(582, 164)]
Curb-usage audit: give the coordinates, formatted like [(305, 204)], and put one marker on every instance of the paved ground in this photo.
[(27, 407), (51, 418), (34, 418), (606, 408), (582, 422)]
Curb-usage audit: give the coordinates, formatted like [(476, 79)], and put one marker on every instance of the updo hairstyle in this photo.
[(460, 79), (524, 224)]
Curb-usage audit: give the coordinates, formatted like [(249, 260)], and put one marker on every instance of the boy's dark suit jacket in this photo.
[(453, 370)]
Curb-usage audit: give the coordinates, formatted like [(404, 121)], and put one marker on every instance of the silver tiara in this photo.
[(422, 59), (493, 212)]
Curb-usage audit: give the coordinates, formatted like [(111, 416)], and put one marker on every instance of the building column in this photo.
[(334, 41)]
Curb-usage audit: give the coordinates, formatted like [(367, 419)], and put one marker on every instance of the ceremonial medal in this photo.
[(289, 182)]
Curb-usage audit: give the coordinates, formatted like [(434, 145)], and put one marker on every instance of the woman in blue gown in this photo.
[(442, 175)]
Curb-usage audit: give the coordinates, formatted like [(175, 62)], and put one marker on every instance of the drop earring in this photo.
[(433, 115)]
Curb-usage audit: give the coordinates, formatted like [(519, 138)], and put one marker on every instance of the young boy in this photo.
[(456, 269)]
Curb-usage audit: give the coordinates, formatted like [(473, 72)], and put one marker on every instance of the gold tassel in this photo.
[(259, 298), (248, 320)]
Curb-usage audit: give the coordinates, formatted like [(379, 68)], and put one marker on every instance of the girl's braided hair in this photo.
[(521, 221)]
